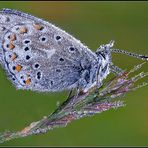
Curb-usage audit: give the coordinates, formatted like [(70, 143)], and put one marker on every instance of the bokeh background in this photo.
[(94, 23)]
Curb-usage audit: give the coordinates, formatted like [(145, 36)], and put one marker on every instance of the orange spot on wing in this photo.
[(13, 37), (18, 68), (14, 57), (23, 30), (11, 46), (38, 27), (28, 81)]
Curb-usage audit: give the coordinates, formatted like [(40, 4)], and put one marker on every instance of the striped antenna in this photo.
[(139, 56)]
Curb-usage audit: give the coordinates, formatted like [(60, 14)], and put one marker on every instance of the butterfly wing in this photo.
[(39, 56)]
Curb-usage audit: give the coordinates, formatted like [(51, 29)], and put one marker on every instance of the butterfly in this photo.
[(39, 56)]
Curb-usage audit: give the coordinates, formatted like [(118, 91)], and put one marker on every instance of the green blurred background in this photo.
[(94, 23)]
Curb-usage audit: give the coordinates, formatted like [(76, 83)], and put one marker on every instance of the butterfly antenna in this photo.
[(139, 56)]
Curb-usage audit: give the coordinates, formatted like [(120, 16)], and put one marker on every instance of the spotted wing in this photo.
[(39, 56)]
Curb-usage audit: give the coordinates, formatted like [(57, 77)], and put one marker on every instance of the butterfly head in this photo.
[(104, 59)]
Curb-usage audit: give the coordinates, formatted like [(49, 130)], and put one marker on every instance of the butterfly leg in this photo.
[(79, 89), (95, 81), (82, 84), (77, 93), (83, 80)]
